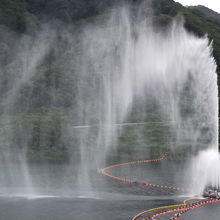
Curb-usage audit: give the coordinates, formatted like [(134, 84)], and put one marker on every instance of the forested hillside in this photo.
[(20, 15), (41, 100), (209, 13)]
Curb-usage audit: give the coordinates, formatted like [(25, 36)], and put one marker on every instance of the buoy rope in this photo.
[(185, 202), (194, 206), (104, 172), (179, 208)]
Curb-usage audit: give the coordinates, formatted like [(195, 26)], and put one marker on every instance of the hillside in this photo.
[(20, 15), (195, 22), (44, 83), (208, 13)]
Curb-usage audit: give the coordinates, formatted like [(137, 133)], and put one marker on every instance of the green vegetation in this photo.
[(12, 14), (44, 116), (195, 21), (45, 141), (17, 15), (151, 137)]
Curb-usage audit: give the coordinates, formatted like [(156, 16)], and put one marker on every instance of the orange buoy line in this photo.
[(194, 206), (104, 172), (179, 208)]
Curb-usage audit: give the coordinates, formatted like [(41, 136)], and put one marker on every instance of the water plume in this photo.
[(118, 69), (27, 54), (204, 172)]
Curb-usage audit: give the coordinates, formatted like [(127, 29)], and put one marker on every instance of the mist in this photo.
[(85, 93)]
